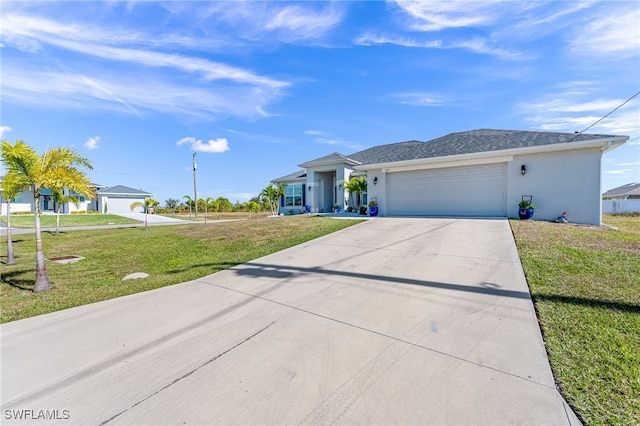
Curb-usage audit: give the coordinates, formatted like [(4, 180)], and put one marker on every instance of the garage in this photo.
[(118, 199), (456, 191)]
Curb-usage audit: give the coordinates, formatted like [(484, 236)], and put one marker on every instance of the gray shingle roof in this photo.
[(122, 190), (469, 142), (473, 141), (624, 191), (336, 157), (300, 174)]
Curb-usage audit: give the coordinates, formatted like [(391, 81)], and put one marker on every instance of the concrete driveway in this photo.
[(392, 321)]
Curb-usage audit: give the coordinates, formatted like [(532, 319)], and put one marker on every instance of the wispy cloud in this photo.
[(213, 146), (418, 99), (575, 107), (154, 80), (324, 138), (615, 34), (618, 171), (4, 129), (92, 142), (436, 15)]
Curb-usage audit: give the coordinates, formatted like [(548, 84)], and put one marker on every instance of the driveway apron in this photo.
[(392, 321)]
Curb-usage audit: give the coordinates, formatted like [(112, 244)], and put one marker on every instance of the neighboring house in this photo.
[(623, 199), (25, 202), (118, 199), (480, 173)]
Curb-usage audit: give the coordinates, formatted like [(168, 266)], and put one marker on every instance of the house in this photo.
[(480, 173), (623, 199), (118, 199)]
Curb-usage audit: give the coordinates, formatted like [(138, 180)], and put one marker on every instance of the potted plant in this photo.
[(526, 207), (373, 207)]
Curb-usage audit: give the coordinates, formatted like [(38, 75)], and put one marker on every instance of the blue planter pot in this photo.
[(525, 214), (373, 211)]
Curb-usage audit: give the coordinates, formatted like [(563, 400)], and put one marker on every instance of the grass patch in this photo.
[(169, 254), (585, 283), (49, 220)]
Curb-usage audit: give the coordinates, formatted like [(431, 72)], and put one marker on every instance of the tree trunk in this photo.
[(11, 260), (58, 220), (42, 278)]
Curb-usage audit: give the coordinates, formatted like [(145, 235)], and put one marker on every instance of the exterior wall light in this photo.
[(340, 187), (523, 170), (375, 180), (309, 187)]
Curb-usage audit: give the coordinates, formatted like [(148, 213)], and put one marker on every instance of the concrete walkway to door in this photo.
[(392, 321)]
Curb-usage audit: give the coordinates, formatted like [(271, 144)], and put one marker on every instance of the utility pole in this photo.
[(195, 192)]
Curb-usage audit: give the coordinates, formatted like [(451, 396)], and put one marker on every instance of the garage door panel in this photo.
[(462, 191)]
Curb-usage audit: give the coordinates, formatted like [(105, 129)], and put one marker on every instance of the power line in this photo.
[(605, 116)]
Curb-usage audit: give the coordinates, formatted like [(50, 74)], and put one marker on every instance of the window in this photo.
[(293, 195)]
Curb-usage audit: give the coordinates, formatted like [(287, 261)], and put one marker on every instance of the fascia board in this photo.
[(605, 145)]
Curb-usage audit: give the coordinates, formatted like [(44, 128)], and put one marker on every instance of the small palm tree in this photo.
[(357, 186), (271, 195), (189, 202), (10, 189), (59, 199), (171, 203), (148, 203), (56, 168), (207, 202)]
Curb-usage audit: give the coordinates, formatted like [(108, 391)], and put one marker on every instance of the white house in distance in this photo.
[(117, 199), (479, 173)]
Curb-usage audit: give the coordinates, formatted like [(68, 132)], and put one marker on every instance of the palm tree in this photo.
[(207, 201), (59, 199), (10, 190), (56, 168), (189, 202), (357, 186), (171, 203), (271, 194), (148, 203)]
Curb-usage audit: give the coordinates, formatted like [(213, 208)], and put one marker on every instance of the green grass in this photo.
[(585, 283), (49, 220), (169, 254)]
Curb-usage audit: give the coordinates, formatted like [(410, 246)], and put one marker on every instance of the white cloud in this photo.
[(154, 80), (476, 45), (313, 132), (436, 15), (614, 34), (572, 109), (299, 21), (418, 99), (4, 129), (369, 39), (92, 142), (214, 146), (619, 171)]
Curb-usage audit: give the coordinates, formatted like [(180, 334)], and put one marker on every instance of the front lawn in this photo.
[(585, 283), (169, 254), (49, 220)]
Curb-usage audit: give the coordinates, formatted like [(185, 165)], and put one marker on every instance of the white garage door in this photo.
[(122, 205), (459, 191)]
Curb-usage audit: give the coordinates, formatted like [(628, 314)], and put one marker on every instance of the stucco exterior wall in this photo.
[(559, 181)]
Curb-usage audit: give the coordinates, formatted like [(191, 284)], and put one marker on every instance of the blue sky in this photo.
[(256, 88)]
